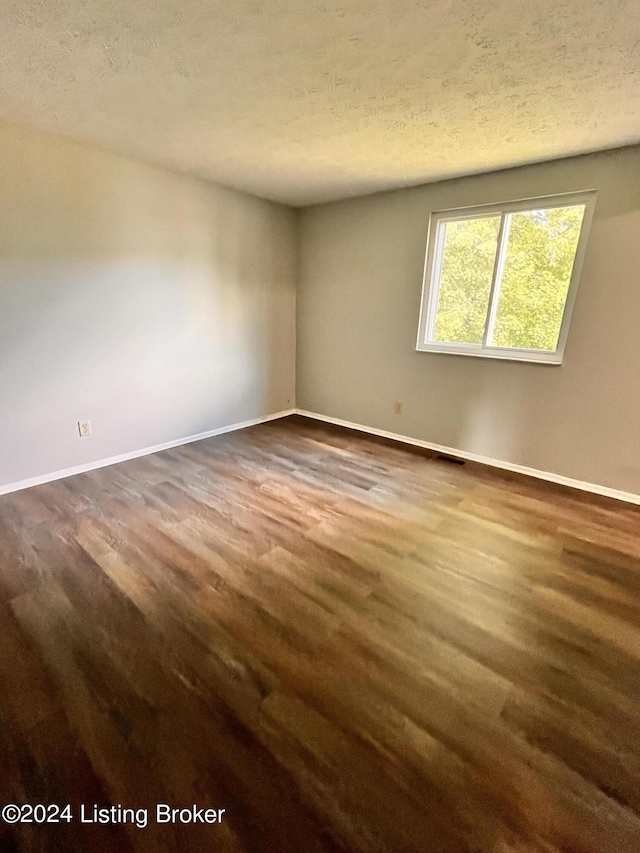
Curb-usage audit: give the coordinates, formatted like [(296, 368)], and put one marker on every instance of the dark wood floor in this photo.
[(345, 644)]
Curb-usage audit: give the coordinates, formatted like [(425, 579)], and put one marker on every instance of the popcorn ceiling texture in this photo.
[(303, 102)]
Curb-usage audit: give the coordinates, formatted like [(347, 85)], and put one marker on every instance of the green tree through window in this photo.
[(501, 279), (539, 260), (465, 280)]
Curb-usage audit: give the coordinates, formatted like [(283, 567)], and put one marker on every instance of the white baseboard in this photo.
[(594, 488), (135, 454)]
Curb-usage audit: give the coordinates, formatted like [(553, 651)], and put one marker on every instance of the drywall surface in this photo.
[(361, 266), (155, 305)]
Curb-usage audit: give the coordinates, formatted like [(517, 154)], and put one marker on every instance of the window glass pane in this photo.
[(540, 251), (465, 279)]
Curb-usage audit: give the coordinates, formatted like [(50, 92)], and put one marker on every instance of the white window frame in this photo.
[(433, 267)]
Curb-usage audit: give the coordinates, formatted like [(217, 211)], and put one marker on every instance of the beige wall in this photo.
[(361, 264), (155, 305)]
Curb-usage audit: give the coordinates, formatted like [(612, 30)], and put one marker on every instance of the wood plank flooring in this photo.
[(345, 644)]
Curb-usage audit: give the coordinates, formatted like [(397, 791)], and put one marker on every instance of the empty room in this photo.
[(320, 426)]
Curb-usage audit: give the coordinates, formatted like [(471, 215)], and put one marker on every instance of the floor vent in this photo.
[(452, 459)]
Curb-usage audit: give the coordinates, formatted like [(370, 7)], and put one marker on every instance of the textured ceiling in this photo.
[(304, 101)]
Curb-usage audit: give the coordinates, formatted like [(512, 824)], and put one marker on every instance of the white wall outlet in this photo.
[(398, 408), (84, 428)]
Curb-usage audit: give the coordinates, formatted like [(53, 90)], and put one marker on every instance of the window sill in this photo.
[(528, 356)]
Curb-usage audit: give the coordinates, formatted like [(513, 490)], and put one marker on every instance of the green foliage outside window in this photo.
[(465, 280), (540, 251)]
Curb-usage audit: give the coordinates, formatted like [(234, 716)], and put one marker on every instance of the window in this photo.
[(500, 280)]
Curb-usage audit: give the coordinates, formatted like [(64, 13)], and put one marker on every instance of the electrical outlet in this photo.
[(84, 428), (398, 408)]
